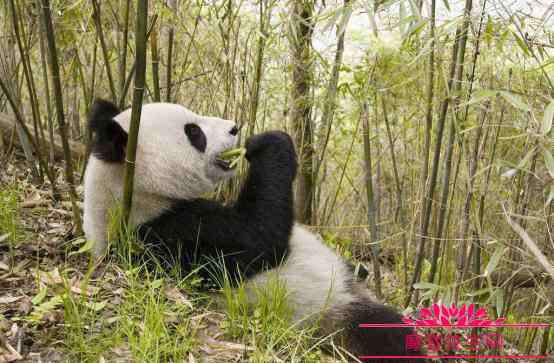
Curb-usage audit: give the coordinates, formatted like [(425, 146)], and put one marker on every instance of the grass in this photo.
[(261, 318), (11, 231), (143, 324), (143, 320)]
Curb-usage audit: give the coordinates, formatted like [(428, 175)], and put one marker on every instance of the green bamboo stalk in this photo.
[(123, 96), (140, 75), (430, 96), (330, 103), (123, 56), (100, 32), (301, 96), (29, 80), (55, 74), (371, 215), (454, 85), (429, 192), (155, 65), (172, 4), (47, 98)]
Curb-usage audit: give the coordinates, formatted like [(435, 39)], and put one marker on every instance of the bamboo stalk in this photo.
[(124, 42), (399, 214), (172, 4), (100, 32), (155, 65), (47, 98), (428, 196), (430, 96), (330, 103), (258, 68), (140, 75), (300, 115), (55, 74), (132, 70), (371, 218), (29, 80), (454, 84)]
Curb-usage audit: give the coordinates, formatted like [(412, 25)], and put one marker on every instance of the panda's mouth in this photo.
[(225, 165)]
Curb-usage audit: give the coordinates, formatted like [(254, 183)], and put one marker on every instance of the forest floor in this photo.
[(55, 307)]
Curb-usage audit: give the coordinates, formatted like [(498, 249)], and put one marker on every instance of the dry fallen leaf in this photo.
[(34, 203), (51, 277), (227, 345), (173, 294), (8, 299)]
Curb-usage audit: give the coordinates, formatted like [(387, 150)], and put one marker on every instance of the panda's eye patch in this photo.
[(196, 137)]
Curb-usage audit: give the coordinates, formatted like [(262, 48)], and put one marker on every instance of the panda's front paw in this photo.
[(270, 141), (275, 147)]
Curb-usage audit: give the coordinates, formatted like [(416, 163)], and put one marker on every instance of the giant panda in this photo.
[(255, 236)]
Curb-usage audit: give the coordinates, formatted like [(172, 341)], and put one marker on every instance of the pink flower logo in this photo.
[(439, 314)]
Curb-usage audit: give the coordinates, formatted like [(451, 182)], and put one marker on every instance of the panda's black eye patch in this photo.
[(196, 137)]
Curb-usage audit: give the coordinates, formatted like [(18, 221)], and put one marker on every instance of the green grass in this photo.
[(143, 324), (11, 231), (261, 318)]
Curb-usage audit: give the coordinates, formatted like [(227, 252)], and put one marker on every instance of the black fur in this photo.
[(368, 341), (109, 138), (250, 235), (196, 137)]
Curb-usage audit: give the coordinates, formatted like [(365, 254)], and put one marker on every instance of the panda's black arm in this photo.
[(249, 235)]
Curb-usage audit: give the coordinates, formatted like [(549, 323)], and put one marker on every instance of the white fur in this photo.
[(316, 278), (167, 167)]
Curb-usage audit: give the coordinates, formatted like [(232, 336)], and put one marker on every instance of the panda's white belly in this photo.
[(315, 276)]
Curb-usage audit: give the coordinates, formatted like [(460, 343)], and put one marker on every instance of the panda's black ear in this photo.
[(101, 112), (110, 140)]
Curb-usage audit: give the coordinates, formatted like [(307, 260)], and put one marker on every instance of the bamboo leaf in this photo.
[(426, 286), (446, 4), (482, 94), (550, 197), (84, 248), (402, 16), (40, 296), (96, 306), (499, 301), (479, 292), (489, 30), (515, 100), (549, 162), (491, 266), (156, 284), (547, 119), (526, 159), (521, 43)]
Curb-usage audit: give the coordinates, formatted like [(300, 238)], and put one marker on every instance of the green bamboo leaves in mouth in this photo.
[(229, 159)]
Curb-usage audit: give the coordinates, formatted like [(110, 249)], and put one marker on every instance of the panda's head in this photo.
[(176, 149)]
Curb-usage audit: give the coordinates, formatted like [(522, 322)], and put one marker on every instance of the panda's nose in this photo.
[(234, 130)]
